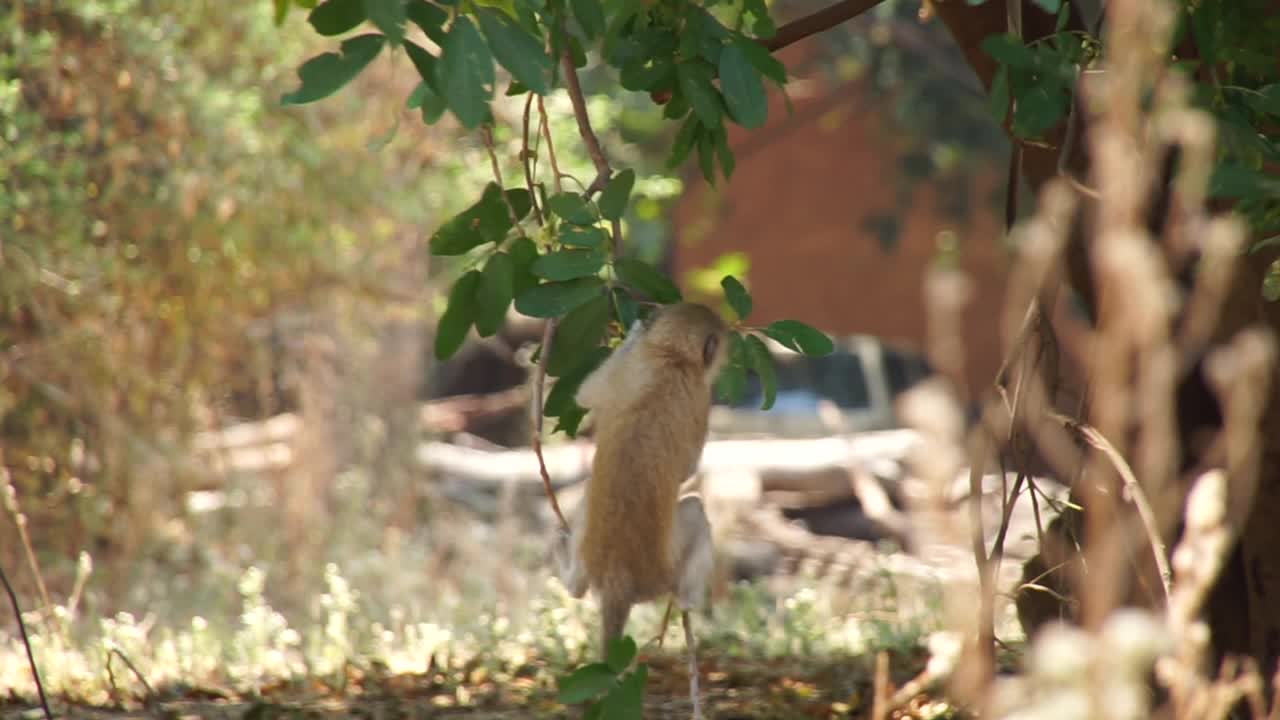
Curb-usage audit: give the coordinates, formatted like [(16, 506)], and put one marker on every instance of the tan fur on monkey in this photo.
[(634, 539)]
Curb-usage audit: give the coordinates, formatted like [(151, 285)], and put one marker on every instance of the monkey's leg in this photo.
[(693, 664), (564, 550), (694, 561), (613, 616), (666, 621)]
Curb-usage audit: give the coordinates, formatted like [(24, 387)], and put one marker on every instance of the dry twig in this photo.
[(26, 643)]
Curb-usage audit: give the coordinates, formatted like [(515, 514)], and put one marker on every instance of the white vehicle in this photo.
[(861, 379)]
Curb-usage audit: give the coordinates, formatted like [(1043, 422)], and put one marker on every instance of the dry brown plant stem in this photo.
[(111, 676), (26, 643), (1134, 489), (20, 520)]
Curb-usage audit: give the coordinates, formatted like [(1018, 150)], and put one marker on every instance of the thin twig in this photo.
[(880, 688), (544, 352), (528, 158), (20, 519), (151, 693), (823, 20), (26, 642), (603, 171), (551, 148), (1139, 497), (539, 379), (486, 134)]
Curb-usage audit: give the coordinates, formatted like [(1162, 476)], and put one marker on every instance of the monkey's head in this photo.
[(691, 332)]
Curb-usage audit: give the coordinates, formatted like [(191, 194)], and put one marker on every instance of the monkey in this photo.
[(634, 538)]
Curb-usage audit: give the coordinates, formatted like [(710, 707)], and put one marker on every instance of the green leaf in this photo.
[(626, 700), (707, 157), (800, 337), (732, 382), (583, 237), (743, 90), (488, 220), (325, 74), (737, 296), (1266, 100), (643, 277), (465, 75), (580, 331), (388, 16), (568, 264), (520, 201), (428, 17), (555, 299), (762, 59), (761, 361), (423, 61), (519, 52), (335, 17), (999, 101), (458, 315), (1009, 50), (590, 17), (586, 683), (694, 79), (1038, 110), (560, 401), (1049, 6), (281, 11), (684, 141), (497, 287), (433, 106), (524, 253), (724, 154), (621, 651), (571, 207), (1232, 180), (762, 25), (613, 200), (417, 96), (628, 310)]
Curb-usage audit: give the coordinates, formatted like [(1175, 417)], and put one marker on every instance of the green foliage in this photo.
[(160, 212), (1241, 90), (325, 74), (800, 337), (609, 688)]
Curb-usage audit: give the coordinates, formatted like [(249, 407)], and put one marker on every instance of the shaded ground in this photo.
[(733, 687)]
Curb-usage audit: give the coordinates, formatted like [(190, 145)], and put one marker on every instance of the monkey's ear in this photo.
[(709, 348)]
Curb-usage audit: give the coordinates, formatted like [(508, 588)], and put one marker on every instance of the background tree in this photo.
[(546, 244)]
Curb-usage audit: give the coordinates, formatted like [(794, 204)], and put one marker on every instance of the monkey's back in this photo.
[(635, 484)]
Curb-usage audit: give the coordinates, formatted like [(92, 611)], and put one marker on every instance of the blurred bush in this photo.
[(162, 221)]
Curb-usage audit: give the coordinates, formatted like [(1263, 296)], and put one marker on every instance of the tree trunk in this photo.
[(1242, 612)]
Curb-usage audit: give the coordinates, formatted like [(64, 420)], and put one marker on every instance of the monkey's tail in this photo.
[(614, 614)]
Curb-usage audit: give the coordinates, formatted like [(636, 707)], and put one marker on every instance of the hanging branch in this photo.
[(528, 159), (26, 642), (823, 20), (574, 88), (603, 170), (486, 133)]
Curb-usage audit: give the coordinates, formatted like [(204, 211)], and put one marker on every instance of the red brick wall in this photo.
[(796, 204)]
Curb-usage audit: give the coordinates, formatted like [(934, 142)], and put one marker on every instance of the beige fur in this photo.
[(651, 401)]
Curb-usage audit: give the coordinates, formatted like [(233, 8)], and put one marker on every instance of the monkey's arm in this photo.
[(599, 386)]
